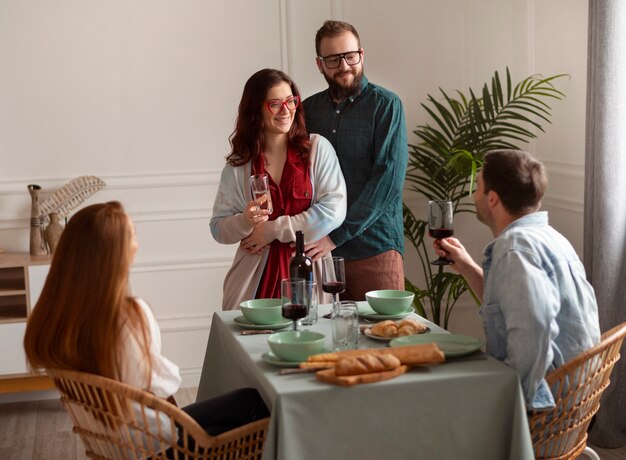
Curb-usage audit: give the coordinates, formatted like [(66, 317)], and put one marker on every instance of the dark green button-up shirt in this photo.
[(368, 132)]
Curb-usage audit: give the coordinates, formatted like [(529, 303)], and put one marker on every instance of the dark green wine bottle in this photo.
[(300, 265)]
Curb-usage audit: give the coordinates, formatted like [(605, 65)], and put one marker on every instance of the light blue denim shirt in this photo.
[(538, 309)]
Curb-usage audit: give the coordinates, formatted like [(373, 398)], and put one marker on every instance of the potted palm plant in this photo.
[(444, 161)]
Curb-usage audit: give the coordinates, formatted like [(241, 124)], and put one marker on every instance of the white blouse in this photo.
[(165, 377)]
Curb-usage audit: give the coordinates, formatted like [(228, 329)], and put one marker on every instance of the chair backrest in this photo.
[(561, 433), (118, 421)]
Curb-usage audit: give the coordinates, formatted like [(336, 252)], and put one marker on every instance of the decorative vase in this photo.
[(53, 232), (36, 241)]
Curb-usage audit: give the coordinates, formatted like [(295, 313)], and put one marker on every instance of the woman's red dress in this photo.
[(291, 197)]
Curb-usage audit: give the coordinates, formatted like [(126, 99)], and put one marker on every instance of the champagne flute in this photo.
[(440, 224), (333, 277), (295, 300)]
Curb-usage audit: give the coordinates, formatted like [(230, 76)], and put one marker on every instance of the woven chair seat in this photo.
[(577, 386), (118, 421)]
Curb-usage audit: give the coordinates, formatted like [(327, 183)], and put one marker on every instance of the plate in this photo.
[(367, 312), (244, 323), (452, 345), (270, 358), (368, 333)]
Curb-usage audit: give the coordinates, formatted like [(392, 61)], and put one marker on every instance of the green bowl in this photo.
[(296, 346), (389, 301), (262, 311)]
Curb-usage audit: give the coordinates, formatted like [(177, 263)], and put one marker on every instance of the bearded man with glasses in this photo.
[(365, 124)]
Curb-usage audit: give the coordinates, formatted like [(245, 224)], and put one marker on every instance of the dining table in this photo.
[(469, 407)]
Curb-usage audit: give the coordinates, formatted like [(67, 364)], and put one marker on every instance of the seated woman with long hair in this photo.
[(86, 319)]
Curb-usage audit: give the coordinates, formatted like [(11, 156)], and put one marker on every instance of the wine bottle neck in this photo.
[(299, 243)]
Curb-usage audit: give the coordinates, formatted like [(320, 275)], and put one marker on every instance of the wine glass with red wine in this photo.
[(440, 225), (333, 277), (295, 300)]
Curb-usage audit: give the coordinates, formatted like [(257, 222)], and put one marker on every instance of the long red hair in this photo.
[(247, 140), (85, 302)]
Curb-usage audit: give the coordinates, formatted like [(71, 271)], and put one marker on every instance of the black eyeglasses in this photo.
[(334, 60), (276, 105)]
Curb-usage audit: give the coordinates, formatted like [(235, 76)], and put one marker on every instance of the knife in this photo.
[(258, 331)]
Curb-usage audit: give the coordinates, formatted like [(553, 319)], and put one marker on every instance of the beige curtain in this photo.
[(605, 196)]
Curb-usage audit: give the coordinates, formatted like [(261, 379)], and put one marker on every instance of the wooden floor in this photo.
[(42, 430)]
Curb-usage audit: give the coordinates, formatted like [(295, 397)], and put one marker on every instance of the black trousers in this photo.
[(228, 411), (225, 412)]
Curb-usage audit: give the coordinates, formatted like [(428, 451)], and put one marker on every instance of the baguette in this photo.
[(329, 376), (426, 353), (366, 364), (317, 364)]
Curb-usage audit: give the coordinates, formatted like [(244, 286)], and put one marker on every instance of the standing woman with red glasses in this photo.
[(307, 188)]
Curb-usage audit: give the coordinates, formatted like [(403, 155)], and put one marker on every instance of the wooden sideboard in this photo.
[(21, 279)]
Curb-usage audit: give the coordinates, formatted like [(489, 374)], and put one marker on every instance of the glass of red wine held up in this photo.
[(333, 277), (440, 224), (295, 300)]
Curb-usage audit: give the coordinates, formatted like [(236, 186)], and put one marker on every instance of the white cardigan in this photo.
[(228, 225)]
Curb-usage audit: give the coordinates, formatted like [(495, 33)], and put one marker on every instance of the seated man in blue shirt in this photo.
[(538, 310)]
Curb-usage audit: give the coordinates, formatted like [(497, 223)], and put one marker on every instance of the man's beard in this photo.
[(338, 92)]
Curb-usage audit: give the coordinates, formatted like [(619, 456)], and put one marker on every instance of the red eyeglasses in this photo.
[(275, 105)]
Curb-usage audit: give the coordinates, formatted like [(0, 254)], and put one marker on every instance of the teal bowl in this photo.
[(262, 311), (389, 301), (296, 346)]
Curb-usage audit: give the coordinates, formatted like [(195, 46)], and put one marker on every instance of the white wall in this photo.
[(143, 94)]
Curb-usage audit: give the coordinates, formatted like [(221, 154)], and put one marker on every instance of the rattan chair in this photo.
[(561, 433), (118, 421)]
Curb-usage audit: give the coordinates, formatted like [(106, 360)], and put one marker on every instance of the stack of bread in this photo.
[(390, 328), (371, 365)]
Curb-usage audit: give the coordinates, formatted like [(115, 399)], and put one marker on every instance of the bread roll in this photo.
[(366, 364), (407, 322), (410, 327), (384, 329)]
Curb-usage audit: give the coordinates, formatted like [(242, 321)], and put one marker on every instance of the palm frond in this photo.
[(419, 295), (444, 162), (414, 229)]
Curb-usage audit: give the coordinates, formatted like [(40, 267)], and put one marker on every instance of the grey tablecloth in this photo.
[(468, 408)]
